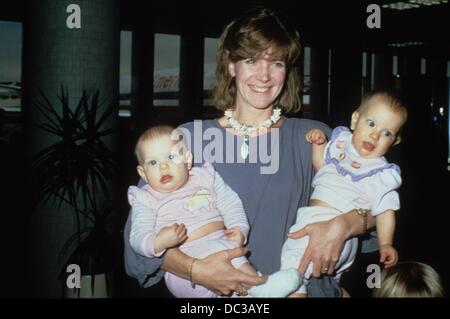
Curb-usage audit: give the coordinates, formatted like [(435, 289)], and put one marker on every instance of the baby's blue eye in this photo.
[(152, 162), (370, 123), (387, 133), (171, 157)]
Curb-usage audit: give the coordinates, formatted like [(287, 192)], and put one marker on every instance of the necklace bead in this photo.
[(247, 129), (244, 128)]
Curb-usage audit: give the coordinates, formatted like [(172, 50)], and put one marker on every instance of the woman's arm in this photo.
[(326, 239), (214, 272)]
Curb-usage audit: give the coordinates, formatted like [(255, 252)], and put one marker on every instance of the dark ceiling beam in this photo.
[(322, 24)]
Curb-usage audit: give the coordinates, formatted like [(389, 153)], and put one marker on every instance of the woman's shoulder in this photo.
[(301, 126), (194, 130), (201, 124)]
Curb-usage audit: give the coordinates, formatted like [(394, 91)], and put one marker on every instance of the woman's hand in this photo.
[(216, 273), (326, 240)]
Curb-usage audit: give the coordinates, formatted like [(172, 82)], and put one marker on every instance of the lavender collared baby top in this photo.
[(347, 180)]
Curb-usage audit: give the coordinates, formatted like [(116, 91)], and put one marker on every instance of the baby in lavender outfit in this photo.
[(352, 174), (190, 208)]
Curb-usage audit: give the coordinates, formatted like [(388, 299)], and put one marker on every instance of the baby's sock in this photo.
[(280, 284)]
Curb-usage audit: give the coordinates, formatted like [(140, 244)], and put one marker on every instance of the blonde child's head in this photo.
[(377, 124), (410, 279), (164, 161)]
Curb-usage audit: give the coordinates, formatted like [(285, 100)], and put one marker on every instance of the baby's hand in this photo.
[(170, 236), (388, 255), (316, 136), (235, 234)]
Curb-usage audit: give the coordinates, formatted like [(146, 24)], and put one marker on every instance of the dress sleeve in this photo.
[(143, 223), (146, 270), (337, 132), (230, 206), (340, 132), (384, 189)]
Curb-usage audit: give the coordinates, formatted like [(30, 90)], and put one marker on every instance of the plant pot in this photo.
[(102, 287)]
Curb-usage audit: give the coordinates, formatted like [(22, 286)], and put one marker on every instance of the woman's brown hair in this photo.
[(248, 37)]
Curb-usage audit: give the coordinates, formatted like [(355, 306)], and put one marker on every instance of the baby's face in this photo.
[(375, 129), (163, 167)]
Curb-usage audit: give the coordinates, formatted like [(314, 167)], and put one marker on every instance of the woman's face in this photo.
[(259, 81)]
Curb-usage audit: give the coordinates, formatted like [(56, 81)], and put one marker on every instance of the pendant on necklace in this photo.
[(244, 147)]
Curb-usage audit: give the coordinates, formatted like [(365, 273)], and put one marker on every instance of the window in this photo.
[(306, 87), (448, 109), (10, 66), (330, 54), (367, 72), (125, 72), (166, 70), (209, 69)]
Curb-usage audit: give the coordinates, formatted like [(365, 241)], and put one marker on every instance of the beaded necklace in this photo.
[(247, 129)]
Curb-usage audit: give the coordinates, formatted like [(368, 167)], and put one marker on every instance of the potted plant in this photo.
[(78, 170)]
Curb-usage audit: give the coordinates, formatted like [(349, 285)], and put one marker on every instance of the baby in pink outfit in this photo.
[(188, 208)]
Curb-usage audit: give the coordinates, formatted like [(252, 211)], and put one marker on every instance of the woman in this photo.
[(257, 80)]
